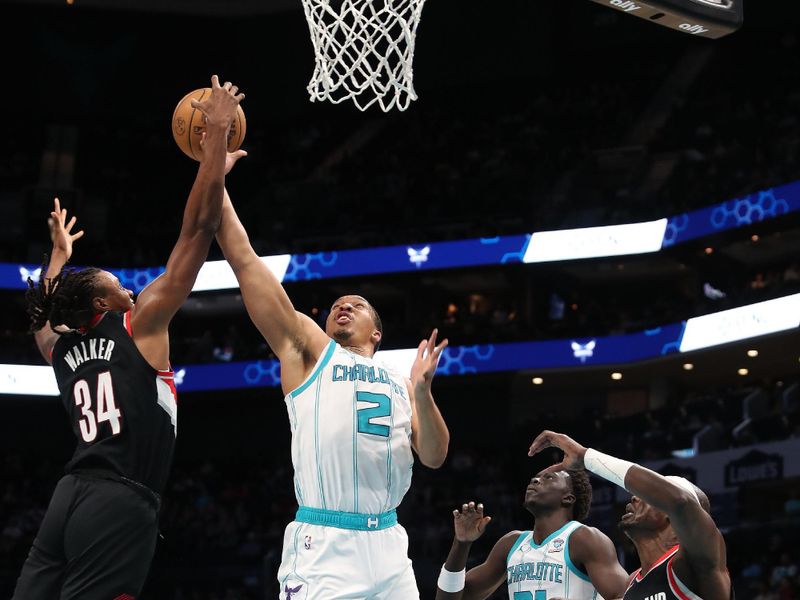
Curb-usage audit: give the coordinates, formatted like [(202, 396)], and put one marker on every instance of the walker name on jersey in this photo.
[(94, 349), (361, 372), (658, 596), (536, 571)]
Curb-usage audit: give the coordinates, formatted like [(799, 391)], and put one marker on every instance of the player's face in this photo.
[(640, 516), (114, 295), (351, 322), (547, 490)]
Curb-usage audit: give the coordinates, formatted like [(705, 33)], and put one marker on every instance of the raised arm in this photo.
[(294, 338), (429, 435), (698, 534), (696, 531), (62, 238), (158, 302), (481, 581)]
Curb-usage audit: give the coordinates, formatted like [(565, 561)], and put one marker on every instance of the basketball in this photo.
[(188, 125)]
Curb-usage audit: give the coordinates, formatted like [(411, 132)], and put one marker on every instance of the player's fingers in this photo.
[(421, 348), (432, 339), (71, 223), (199, 106), (227, 86), (77, 236), (541, 442), (438, 350), (234, 89), (56, 204), (464, 508), (239, 97), (479, 508), (456, 514), (214, 81)]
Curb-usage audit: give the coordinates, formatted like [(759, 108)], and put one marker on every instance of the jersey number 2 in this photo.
[(106, 409), (382, 408), (540, 595)]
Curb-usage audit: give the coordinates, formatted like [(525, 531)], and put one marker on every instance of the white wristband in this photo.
[(452, 582), (607, 467)]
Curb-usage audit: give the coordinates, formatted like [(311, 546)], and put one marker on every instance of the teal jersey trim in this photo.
[(316, 444), (570, 564), (293, 417), (550, 537), (355, 443), (389, 450), (325, 360), (345, 520), (517, 544)]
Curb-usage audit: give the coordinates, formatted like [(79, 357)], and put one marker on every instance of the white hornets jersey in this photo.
[(351, 435), (543, 571)]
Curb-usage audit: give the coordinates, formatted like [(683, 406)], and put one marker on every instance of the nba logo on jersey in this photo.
[(307, 543)]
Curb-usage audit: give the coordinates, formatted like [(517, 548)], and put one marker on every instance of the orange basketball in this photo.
[(188, 125)]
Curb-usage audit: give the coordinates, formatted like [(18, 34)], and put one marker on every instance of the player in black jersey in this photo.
[(681, 551), (111, 361)]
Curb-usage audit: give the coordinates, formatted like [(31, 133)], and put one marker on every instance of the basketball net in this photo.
[(364, 51)]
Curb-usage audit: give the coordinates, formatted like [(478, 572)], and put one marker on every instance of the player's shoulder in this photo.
[(508, 542), (588, 539)]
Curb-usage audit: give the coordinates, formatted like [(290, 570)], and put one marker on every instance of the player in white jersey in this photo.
[(354, 423), (559, 558)]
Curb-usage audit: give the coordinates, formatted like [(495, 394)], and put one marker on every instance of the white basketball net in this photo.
[(364, 51)]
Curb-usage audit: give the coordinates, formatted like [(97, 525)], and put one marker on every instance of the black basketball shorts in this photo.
[(96, 542)]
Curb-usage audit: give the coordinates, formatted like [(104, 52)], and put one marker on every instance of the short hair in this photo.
[(582, 490), (378, 324), (66, 299)]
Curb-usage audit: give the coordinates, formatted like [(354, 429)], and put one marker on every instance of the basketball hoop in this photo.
[(364, 50)]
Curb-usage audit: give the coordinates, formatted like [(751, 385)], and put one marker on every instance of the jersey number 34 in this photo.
[(105, 410)]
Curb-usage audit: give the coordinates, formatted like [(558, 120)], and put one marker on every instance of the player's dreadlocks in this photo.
[(66, 299), (582, 489)]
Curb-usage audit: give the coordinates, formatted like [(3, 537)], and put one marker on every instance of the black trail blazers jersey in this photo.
[(123, 412), (660, 582)]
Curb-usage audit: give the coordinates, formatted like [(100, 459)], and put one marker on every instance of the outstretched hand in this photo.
[(573, 451), (61, 231), (220, 107), (470, 523), (424, 367)]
